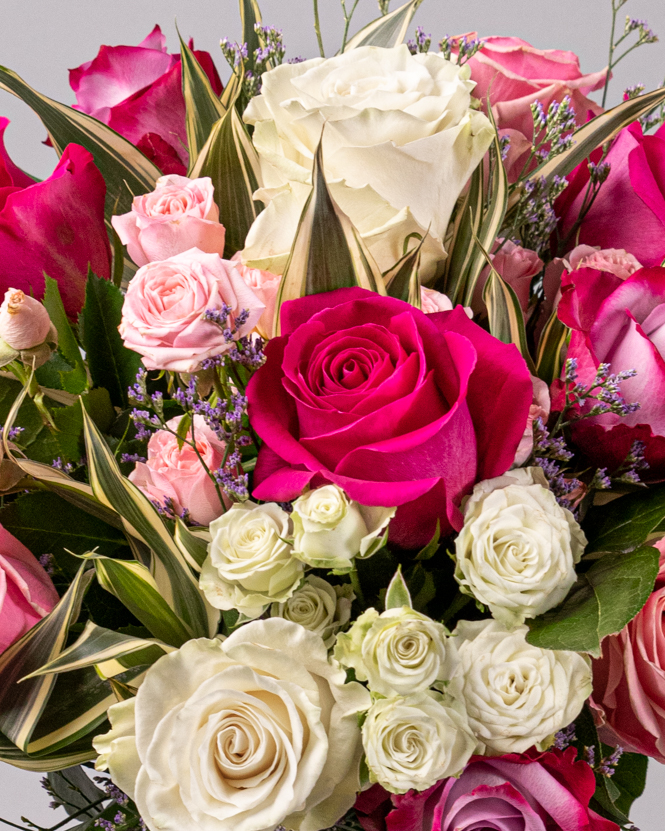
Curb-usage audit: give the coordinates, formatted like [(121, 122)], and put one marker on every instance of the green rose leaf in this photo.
[(602, 602), (398, 593), (623, 524)]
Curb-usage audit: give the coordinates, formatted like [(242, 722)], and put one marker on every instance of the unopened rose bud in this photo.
[(24, 322)]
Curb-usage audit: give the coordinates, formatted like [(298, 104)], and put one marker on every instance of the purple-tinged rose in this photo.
[(394, 406), (518, 792), (137, 91), (26, 591), (629, 210), (622, 323), (176, 474), (54, 227), (163, 316), (178, 215)]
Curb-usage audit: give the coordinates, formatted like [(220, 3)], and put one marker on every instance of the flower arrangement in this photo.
[(333, 437)]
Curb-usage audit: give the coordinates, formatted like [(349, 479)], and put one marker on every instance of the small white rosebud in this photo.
[(318, 607)]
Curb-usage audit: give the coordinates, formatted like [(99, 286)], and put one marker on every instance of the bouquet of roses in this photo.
[(333, 426)]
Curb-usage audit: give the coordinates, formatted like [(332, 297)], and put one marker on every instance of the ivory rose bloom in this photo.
[(398, 652), (250, 563), (244, 735), (163, 313), (518, 547), (330, 529), (318, 606), (413, 742), (516, 694), (401, 140), (178, 215), (177, 474)]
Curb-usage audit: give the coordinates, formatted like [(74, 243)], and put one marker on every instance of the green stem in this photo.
[(347, 21), (611, 55), (355, 583), (459, 602), (317, 28)]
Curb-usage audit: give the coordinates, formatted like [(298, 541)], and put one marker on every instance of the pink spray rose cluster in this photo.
[(137, 91), (26, 591)]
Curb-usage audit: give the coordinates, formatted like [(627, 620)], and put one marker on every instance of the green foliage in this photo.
[(602, 602), (387, 30), (398, 592), (75, 379), (111, 365), (623, 524), (202, 106)]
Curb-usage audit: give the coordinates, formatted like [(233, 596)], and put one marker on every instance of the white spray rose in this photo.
[(244, 735), (398, 652), (415, 741), (318, 606), (516, 694), (330, 530), (518, 547), (401, 140), (250, 562)]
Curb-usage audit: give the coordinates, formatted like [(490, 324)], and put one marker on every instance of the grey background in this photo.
[(41, 39)]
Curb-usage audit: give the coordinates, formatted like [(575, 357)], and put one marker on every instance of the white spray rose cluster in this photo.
[(517, 550), (318, 606)]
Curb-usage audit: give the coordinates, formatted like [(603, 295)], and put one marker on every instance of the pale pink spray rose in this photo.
[(265, 286), (163, 313), (615, 261), (540, 408), (179, 214), (176, 474), (516, 265), (26, 591), (26, 331)]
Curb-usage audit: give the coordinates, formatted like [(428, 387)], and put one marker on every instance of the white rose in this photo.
[(518, 547), (516, 694), (330, 530), (319, 607), (401, 140), (241, 735), (398, 652), (415, 741), (250, 562)]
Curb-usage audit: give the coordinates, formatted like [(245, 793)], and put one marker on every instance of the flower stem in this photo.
[(355, 583), (317, 28)]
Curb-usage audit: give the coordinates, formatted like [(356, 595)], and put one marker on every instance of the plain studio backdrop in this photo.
[(42, 39)]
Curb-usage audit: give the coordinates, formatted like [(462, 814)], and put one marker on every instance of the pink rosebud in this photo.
[(163, 313), (516, 265), (433, 301), (24, 322), (26, 591), (176, 474), (178, 215), (615, 261), (540, 408), (265, 286)]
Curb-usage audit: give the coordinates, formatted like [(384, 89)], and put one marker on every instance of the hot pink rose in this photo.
[(518, 792), (163, 313), (394, 406), (54, 227), (516, 265), (629, 211), (265, 286), (515, 74), (178, 215), (620, 322), (629, 679), (137, 90), (26, 591), (178, 475)]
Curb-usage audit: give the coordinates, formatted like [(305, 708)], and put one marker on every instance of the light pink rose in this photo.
[(24, 322), (265, 286), (178, 215), (433, 301), (178, 475), (516, 265), (26, 591), (615, 261), (163, 313), (540, 408)]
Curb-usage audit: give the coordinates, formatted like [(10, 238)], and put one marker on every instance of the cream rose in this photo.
[(398, 652), (518, 547), (415, 741), (244, 735), (330, 530), (401, 140), (517, 695), (318, 606), (250, 562)]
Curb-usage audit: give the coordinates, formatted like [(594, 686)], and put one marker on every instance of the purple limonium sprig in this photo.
[(608, 765), (421, 42), (565, 737)]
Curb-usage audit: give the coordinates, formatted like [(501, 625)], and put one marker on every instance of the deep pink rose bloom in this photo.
[(54, 227), (26, 591), (518, 792), (515, 75), (394, 406), (620, 322), (629, 679), (137, 90), (629, 211)]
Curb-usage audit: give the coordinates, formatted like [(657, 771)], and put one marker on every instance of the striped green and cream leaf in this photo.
[(74, 754), (550, 352), (402, 281), (194, 546), (388, 30), (203, 108), (250, 16)]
